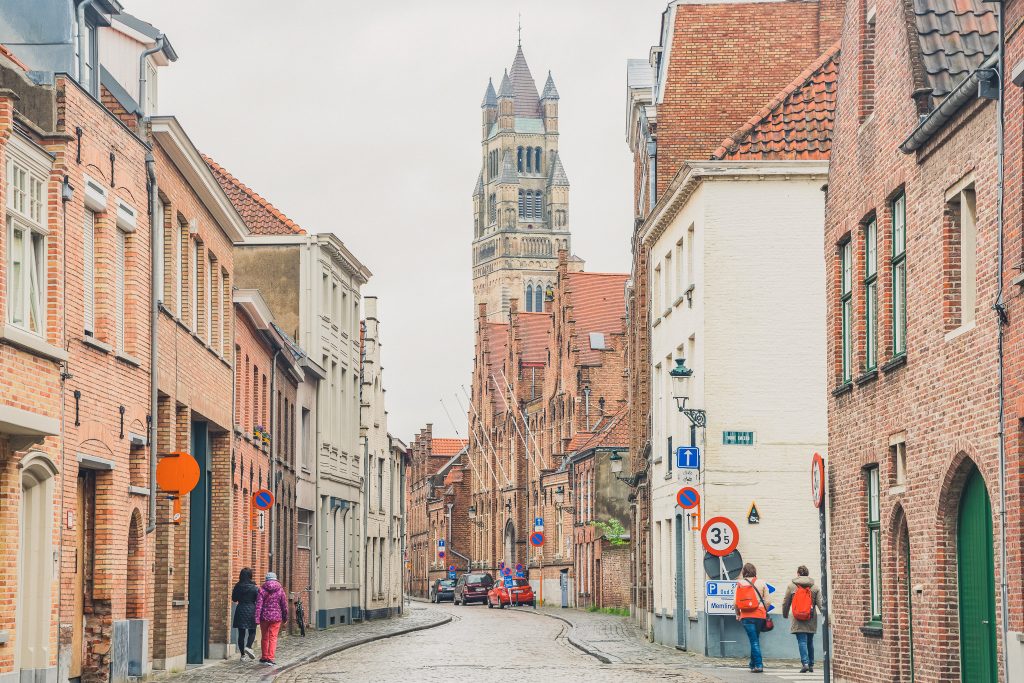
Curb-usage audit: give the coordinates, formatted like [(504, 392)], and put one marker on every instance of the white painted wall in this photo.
[(758, 351)]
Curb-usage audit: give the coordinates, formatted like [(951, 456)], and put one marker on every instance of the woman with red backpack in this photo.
[(802, 598), (752, 604)]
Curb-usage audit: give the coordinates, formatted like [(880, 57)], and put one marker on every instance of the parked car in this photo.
[(442, 589), (473, 588), (519, 594)]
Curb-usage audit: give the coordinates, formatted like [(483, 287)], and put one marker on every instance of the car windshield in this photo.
[(479, 578)]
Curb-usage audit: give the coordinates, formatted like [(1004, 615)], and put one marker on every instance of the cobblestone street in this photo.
[(482, 644)]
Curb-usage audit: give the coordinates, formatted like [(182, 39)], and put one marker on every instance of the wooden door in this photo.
[(977, 583), (78, 598)]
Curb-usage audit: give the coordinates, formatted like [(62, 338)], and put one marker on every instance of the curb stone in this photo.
[(582, 646), (341, 647)]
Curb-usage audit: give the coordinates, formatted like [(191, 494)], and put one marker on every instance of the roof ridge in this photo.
[(255, 196), (731, 142)]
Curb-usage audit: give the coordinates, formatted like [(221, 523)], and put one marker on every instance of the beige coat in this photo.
[(811, 625)]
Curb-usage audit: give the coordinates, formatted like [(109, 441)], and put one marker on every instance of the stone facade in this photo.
[(521, 200)]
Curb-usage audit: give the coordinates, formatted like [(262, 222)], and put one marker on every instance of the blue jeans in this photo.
[(806, 643), (753, 629)]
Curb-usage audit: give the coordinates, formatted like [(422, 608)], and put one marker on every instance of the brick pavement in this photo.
[(294, 651)]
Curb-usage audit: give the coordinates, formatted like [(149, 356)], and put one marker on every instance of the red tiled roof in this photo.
[(796, 124), (497, 346), (611, 432), (598, 303), (534, 336), (261, 217), (954, 38), (443, 446), (10, 55)]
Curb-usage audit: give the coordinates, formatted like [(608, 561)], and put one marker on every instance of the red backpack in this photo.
[(803, 604), (747, 599)]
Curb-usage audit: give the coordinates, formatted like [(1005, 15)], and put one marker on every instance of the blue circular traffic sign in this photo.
[(506, 571), (687, 497), (263, 499), (519, 567), (440, 554), (537, 538)]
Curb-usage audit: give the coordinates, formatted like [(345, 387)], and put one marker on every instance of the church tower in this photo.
[(521, 200)]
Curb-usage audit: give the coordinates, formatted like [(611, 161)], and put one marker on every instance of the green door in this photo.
[(976, 578), (199, 550)]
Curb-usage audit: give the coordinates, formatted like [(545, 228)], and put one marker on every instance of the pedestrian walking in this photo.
[(271, 612), (752, 604), (245, 593), (803, 599)]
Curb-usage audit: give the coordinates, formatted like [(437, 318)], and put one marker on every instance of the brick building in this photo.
[(430, 460), (715, 66), (912, 249)]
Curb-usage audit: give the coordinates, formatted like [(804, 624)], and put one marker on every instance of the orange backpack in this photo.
[(747, 599), (803, 604)]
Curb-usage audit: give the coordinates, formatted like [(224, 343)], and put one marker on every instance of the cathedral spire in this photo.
[(490, 99), (506, 86), (524, 87), (550, 91)]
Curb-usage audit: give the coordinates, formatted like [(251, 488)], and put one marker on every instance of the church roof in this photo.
[(550, 91), (506, 86), (508, 169), (490, 99), (557, 176), (524, 87)]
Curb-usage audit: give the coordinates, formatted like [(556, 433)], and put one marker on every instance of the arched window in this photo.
[(519, 159), (521, 214), (529, 160), (529, 298), (539, 305), (537, 160)]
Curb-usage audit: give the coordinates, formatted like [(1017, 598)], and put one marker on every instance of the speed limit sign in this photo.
[(720, 536)]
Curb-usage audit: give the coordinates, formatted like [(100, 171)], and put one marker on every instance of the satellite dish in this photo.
[(733, 563)]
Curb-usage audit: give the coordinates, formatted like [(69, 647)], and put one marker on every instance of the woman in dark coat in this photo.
[(245, 593)]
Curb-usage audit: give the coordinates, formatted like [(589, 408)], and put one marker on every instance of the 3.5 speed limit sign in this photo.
[(720, 536)]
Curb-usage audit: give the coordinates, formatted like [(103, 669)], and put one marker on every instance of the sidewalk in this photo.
[(293, 651), (614, 640)]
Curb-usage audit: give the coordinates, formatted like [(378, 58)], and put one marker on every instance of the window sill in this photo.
[(844, 388), (131, 360), (31, 343), (869, 376), (963, 329), (667, 312), (897, 490), (657, 321), (679, 300), (895, 363), (97, 344), (872, 629)]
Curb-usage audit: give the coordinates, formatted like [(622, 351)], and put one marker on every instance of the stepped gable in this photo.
[(260, 216), (954, 37)]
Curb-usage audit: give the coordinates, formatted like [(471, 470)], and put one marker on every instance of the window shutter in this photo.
[(89, 271), (119, 284)]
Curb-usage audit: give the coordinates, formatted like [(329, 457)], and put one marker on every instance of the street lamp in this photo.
[(615, 460), (682, 377), (471, 513)]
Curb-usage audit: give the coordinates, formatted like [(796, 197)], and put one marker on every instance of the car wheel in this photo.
[(489, 605)]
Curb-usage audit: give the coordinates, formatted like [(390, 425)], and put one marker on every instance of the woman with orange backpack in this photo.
[(752, 604), (802, 598)]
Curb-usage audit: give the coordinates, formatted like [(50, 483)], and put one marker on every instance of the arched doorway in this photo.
[(976, 581), (903, 591), (35, 561), (510, 544)]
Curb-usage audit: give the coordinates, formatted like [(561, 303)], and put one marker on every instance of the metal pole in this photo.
[(825, 639)]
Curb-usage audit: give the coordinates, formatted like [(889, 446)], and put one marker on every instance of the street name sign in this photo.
[(719, 597), (688, 458)]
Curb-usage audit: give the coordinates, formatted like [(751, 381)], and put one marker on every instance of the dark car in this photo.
[(473, 588), (442, 589)]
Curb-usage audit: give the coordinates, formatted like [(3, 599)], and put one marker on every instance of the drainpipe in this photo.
[(154, 317), (366, 512), (142, 71), (273, 448), (80, 28), (1003, 320)]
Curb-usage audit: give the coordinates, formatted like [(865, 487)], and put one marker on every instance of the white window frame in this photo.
[(194, 283), (120, 287), (27, 213), (178, 231), (159, 235)]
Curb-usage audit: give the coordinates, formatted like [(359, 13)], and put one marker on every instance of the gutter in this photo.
[(940, 116), (154, 319), (142, 71), (80, 37)]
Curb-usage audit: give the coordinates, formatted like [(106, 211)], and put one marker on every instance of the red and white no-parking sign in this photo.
[(720, 536)]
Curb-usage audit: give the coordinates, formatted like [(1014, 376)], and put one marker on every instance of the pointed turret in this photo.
[(491, 99), (508, 170), (557, 176), (550, 91), (525, 88), (558, 194), (506, 86), (479, 189), (506, 104)]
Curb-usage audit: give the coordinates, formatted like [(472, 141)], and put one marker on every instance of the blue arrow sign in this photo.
[(538, 521), (440, 543), (688, 458)]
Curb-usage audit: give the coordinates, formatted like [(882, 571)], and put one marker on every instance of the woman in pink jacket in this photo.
[(271, 612)]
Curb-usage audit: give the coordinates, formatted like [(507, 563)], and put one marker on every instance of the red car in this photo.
[(519, 594)]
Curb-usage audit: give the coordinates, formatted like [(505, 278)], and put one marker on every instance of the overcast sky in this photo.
[(363, 119)]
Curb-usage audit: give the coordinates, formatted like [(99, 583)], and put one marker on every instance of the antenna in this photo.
[(520, 29)]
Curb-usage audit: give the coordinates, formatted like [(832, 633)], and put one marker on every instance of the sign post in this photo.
[(818, 498), (538, 526)]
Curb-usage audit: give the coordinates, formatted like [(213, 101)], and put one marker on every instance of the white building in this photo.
[(382, 507)]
